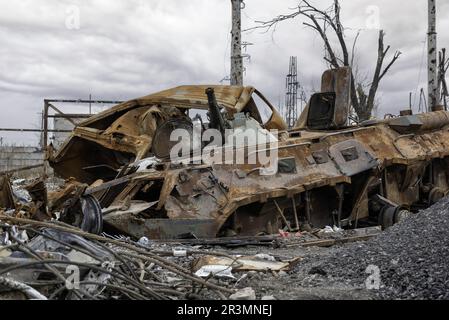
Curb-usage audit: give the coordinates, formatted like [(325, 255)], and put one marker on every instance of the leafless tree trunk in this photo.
[(366, 110), (328, 20)]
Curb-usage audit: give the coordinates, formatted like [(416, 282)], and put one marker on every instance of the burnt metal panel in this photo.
[(352, 157), (321, 111), (6, 197), (164, 229)]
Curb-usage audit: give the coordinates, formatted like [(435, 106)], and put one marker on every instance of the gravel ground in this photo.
[(412, 258)]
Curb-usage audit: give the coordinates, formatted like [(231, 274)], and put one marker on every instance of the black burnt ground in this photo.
[(413, 258)]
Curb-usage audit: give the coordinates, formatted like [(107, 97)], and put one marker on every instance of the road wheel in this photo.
[(401, 214), (386, 217), (435, 195)]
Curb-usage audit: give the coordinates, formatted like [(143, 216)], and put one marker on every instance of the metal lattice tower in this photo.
[(291, 97)]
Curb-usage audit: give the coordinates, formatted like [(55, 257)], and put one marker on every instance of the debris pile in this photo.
[(411, 256), (41, 260), (53, 260)]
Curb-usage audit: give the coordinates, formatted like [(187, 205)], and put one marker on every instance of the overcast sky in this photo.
[(124, 49)]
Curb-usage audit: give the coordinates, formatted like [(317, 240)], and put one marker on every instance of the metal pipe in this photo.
[(69, 115), (45, 136), (347, 131), (281, 213), (83, 101), (32, 130), (61, 113), (340, 190), (295, 212), (308, 216)]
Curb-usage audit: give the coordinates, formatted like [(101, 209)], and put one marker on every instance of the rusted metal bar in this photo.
[(281, 213), (32, 130), (333, 134), (227, 241), (109, 184), (45, 135), (308, 215), (70, 115), (340, 191), (61, 113), (83, 101), (295, 212), (332, 242), (355, 210)]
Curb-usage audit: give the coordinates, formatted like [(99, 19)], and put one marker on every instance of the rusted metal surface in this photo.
[(324, 177), (125, 133), (339, 81), (132, 220), (6, 197), (38, 193)]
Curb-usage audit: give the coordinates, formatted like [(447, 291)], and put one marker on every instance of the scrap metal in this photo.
[(328, 173)]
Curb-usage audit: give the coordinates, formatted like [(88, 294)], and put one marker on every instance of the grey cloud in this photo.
[(129, 48)]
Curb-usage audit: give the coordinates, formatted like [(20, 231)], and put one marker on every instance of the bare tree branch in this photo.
[(329, 20), (333, 59), (393, 60), (353, 48)]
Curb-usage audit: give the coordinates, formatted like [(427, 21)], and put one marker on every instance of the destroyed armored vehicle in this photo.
[(324, 172)]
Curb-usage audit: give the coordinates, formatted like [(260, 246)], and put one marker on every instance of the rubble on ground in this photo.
[(35, 255), (108, 268), (411, 257)]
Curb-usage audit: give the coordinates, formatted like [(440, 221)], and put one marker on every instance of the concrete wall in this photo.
[(14, 157), (63, 124)]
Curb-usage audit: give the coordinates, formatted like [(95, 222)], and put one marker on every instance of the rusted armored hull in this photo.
[(373, 174)]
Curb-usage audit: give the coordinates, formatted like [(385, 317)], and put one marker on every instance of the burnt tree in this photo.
[(328, 23)]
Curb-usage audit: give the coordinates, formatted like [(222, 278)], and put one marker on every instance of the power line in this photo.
[(420, 69)]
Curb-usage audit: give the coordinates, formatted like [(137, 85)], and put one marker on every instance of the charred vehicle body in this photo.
[(327, 172)]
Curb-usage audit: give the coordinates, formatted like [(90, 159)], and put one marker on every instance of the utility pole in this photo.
[(236, 47), (432, 62)]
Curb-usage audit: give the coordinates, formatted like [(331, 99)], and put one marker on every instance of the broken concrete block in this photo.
[(244, 294)]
